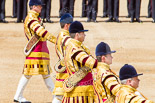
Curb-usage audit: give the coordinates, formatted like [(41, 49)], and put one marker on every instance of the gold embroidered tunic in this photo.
[(106, 84), (75, 57), (127, 95), (37, 62), (61, 73)]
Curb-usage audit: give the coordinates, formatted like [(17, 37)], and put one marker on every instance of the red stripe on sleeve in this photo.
[(63, 44), (36, 28), (75, 54), (95, 65), (44, 34), (143, 101), (30, 23), (65, 41), (109, 76), (112, 87), (131, 99), (84, 60)]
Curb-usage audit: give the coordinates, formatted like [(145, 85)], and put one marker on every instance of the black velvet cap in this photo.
[(76, 27), (103, 49), (128, 71)]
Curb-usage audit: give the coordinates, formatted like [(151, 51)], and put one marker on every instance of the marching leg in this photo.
[(21, 86), (48, 81)]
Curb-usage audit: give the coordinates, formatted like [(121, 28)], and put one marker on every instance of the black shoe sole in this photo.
[(21, 102), (15, 100)]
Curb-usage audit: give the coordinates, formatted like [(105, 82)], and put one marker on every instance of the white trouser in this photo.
[(21, 86), (23, 82), (48, 81), (57, 99)]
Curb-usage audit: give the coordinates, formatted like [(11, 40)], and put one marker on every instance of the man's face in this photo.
[(108, 59), (81, 36), (37, 8), (134, 82)]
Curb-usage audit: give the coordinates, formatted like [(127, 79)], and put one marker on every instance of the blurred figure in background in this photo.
[(134, 8), (84, 8), (71, 7), (60, 9), (14, 9), (128, 16), (153, 10), (21, 10), (149, 9), (65, 6), (46, 11), (113, 8), (68, 7), (92, 10), (2, 12), (105, 8)]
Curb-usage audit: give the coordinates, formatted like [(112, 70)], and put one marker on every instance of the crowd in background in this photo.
[(89, 10)]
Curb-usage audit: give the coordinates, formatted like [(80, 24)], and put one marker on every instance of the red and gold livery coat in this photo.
[(63, 40), (127, 95), (76, 56), (61, 73), (106, 84), (37, 62)]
